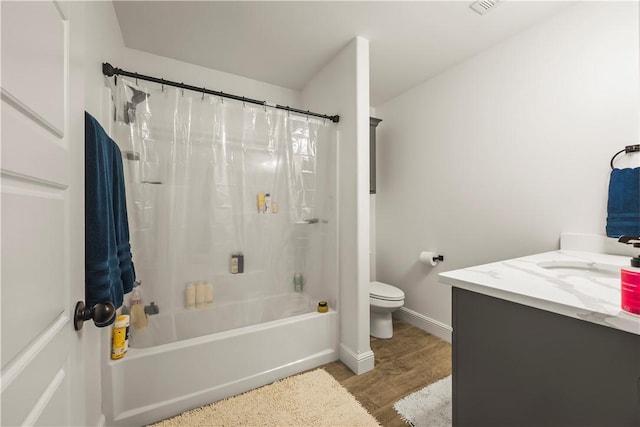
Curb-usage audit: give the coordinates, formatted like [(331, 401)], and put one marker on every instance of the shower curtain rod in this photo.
[(109, 70)]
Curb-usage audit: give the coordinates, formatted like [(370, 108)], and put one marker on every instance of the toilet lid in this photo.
[(385, 292)]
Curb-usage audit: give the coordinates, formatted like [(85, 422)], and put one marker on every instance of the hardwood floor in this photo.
[(409, 361)]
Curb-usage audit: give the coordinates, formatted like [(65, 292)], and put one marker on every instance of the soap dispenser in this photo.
[(138, 316), (630, 279)]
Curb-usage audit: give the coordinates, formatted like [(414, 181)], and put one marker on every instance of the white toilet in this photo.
[(383, 299)]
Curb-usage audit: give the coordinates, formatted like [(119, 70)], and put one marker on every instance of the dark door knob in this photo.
[(101, 313)]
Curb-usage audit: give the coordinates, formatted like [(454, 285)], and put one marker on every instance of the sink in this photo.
[(582, 268)]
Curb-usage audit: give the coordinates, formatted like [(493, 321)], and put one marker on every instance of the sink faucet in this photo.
[(630, 240), (635, 241)]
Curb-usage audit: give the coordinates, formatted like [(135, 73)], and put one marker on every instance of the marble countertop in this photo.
[(590, 296)]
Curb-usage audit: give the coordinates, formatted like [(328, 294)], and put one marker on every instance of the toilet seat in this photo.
[(382, 291)]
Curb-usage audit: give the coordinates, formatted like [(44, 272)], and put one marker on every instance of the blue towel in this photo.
[(109, 270), (623, 207)]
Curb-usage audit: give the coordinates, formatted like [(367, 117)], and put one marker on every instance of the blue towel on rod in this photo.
[(109, 270), (623, 206)]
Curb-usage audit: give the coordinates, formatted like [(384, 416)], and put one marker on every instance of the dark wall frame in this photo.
[(373, 124)]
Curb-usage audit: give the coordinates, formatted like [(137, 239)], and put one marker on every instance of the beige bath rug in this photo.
[(310, 399)]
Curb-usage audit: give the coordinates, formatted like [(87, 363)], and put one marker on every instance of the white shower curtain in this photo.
[(195, 166)]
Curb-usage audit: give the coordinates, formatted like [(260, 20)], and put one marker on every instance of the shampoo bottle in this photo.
[(234, 264), (201, 291), (240, 257), (630, 279), (190, 296), (208, 294), (267, 203), (261, 202), (138, 318), (297, 282)]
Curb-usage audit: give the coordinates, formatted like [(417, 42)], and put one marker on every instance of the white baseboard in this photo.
[(427, 324), (358, 363)]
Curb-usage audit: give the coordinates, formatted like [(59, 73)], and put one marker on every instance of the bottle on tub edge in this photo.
[(120, 337)]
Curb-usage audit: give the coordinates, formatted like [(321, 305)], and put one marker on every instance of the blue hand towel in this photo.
[(109, 270), (623, 207)]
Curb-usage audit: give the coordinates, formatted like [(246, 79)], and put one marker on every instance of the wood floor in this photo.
[(409, 361)]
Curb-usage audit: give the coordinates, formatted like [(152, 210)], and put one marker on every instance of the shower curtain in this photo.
[(212, 179)]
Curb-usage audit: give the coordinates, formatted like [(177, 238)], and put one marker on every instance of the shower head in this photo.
[(138, 95)]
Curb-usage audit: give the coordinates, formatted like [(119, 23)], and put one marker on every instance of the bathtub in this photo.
[(150, 384)]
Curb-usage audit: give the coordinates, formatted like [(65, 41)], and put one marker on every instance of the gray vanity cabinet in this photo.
[(373, 124), (514, 365)]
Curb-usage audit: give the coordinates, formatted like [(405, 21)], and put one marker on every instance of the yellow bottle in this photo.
[(120, 338), (260, 202)]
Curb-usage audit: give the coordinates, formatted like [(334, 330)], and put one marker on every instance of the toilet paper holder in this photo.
[(431, 258)]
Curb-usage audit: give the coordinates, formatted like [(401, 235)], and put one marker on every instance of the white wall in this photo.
[(342, 87), (495, 157), (171, 69), (103, 43)]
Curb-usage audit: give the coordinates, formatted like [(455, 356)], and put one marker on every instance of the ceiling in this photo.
[(287, 42)]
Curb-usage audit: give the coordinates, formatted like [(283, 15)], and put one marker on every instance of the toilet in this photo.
[(383, 300)]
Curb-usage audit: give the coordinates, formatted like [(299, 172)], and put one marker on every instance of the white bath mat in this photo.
[(310, 399), (429, 407)]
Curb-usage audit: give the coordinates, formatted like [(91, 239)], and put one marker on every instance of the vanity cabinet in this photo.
[(515, 365)]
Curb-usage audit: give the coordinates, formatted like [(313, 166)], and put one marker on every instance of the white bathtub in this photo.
[(184, 324), (150, 384)]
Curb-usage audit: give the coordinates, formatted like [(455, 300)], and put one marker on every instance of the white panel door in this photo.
[(41, 203)]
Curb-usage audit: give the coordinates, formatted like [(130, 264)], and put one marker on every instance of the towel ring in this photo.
[(627, 149)]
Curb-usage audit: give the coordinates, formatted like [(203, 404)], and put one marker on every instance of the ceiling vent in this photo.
[(484, 6)]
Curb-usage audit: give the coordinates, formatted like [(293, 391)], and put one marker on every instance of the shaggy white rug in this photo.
[(311, 399), (429, 407)]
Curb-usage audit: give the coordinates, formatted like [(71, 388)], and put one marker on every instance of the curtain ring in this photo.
[(307, 116), (162, 85), (136, 79), (244, 104), (203, 89), (265, 106), (222, 97), (182, 88)]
